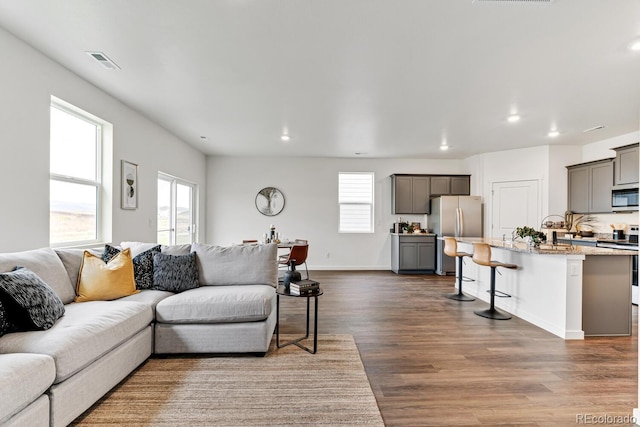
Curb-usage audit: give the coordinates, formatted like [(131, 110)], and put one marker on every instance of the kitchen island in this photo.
[(570, 291)]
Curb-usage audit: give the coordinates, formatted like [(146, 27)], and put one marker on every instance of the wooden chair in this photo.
[(298, 254), (451, 249), (482, 256)]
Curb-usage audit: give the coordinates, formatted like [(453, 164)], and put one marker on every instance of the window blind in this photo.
[(355, 197)]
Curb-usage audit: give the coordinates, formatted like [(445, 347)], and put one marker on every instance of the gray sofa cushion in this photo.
[(87, 331), (149, 297), (237, 265), (217, 304), (139, 247), (72, 260), (24, 377), (46, 264), (31, 304)]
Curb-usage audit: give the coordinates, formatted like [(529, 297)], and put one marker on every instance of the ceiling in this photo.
[(384, 78)]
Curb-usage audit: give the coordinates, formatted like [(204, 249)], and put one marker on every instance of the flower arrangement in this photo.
[(535, 236)]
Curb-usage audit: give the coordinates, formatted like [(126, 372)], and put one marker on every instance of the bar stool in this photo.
[(482, 256), (451, 249)]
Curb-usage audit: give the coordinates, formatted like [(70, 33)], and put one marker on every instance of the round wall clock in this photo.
[(270, 201)]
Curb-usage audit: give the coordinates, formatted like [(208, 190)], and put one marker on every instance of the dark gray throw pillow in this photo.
[(175, 273), (4, 320), (30, 303), (142, 264)]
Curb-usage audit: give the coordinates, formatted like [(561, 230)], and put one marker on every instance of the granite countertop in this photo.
[(546, 248)]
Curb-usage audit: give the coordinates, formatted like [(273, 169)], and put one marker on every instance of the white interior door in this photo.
[(514, 204)]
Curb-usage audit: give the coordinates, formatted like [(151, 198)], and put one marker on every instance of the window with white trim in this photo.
[(355, 197), (75, 180), (176, 210)]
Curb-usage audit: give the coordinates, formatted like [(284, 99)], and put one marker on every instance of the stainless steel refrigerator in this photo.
[(459, 216)]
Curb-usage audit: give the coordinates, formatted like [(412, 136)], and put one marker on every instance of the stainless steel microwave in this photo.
[(624, 197)]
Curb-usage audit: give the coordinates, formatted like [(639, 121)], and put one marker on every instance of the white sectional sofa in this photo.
[(60, 372)]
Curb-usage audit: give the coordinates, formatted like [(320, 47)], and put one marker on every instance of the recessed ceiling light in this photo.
[(635, 46), (444, 147), (285, 137), (513, 118), (553, 134)]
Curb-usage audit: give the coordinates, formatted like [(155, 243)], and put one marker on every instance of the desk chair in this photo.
[(451, 249), (482, 256)]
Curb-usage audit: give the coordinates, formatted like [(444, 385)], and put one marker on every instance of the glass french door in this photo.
[(176, 211)]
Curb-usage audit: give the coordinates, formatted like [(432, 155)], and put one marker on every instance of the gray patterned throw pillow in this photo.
[(175, 273), (30, 303), (142, 264), (4, 320)]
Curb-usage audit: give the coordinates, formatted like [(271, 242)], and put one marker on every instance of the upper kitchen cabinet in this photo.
[(453, 185), (626, 166), (410, 194), (590, 187)]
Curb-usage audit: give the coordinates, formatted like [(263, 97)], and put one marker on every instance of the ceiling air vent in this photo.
[(594, 128), (104, 60)]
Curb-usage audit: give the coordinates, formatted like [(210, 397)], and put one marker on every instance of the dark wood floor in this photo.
[(432, 362)]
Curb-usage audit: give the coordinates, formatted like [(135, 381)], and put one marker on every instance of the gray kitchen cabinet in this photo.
[(601, 183), (440, 185), (590, 187), (453, 185), (626, 166), (461, 185), (413, 253), (410, 194)]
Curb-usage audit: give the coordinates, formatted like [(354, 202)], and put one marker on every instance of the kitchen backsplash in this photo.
[(602, 222)]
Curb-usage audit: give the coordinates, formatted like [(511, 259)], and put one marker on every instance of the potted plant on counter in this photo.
[(531, 235)]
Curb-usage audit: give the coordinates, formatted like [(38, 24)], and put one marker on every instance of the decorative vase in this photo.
[(291, 275)]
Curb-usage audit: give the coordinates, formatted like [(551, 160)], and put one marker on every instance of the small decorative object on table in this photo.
[(534, 237), (291, 275)]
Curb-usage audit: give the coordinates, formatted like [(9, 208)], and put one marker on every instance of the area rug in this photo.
[(286, 387)]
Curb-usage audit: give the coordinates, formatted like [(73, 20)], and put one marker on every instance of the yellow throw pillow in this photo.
[(98, 281)]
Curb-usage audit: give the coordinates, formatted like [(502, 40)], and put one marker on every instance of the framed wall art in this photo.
[(269, 201), (129, 185)]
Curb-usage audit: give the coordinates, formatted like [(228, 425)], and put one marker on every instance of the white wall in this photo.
[(511, 165), (603, 149), (310, 187), (27, 81)]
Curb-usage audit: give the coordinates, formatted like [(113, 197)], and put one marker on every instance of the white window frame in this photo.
[(97, 183), (344, 201), (174, 181)]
